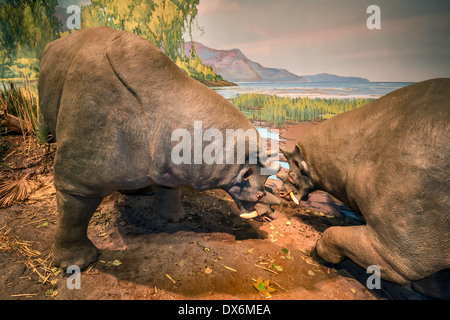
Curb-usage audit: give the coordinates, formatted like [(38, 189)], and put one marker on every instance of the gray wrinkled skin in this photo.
[(389, 160), (112, 100)]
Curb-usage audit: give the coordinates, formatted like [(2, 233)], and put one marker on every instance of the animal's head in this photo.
[(296, 181), (248, 191)]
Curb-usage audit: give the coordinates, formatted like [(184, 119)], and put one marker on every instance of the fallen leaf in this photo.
[(277, 267), (288, 223), (102, 234), (353, 290), (263, 287), (286, 251), (44, 224), (250, 250), (311, 273), (49, 292), (56, 271), (181, 263), (116, 263), (310, 261), (208, 270), (303, 250)]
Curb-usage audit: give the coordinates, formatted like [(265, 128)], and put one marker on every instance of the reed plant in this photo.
[(278, 110), (19, 103)]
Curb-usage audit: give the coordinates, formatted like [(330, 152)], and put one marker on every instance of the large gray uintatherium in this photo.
[(112, 100), (389, 160)]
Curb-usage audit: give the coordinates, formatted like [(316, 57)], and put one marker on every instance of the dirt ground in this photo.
[(213, 254)]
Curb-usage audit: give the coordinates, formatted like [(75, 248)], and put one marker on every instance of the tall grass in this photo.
[(279, 110), (20, 99)]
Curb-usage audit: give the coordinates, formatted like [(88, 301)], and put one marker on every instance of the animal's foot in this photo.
[(174, 216), (80, 255)]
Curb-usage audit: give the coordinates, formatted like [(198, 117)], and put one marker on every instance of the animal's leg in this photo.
[(169, 204), (72, 246), (356, 243)]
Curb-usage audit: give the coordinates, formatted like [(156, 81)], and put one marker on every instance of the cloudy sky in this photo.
[(310, 37)]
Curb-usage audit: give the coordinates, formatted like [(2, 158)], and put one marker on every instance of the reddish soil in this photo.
[(213, 254)]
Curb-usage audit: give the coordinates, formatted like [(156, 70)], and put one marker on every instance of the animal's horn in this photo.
[(291, 194), (250, 215)]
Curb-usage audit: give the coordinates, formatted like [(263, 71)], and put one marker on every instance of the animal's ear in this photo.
[(292, 154), (245, 174), (302, 166)]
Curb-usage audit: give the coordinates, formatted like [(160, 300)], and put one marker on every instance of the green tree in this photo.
[(26, 26), (162, 22)]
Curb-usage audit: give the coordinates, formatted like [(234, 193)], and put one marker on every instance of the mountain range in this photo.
[(234, 66)]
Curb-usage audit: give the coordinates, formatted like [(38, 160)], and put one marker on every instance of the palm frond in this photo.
[(15, 190)]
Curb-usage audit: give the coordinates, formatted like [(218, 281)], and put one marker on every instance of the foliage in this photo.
[(162, 22), (21, 101), (263, 287), (194, 68), (26, 26), (14, 190), (278, 110)]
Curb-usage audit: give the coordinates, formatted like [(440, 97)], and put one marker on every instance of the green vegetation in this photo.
[(278, 110), (162, 22), (26, 26), (194, 68), (19, 108)]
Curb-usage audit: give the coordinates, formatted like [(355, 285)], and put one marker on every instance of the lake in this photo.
[(314, 89)]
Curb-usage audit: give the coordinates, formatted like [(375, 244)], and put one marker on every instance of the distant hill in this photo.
[(234, 66), (326, 77)]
